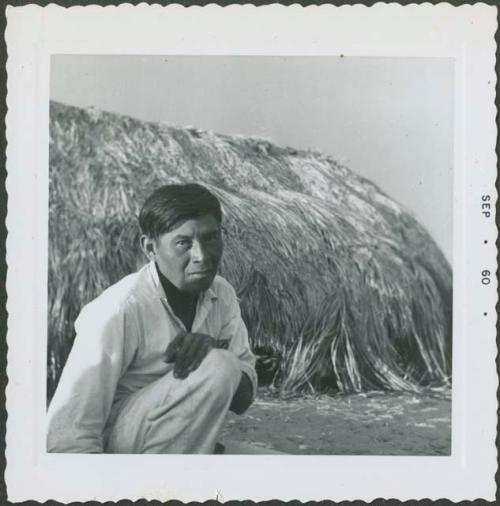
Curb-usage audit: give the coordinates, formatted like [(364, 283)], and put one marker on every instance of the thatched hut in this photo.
[(339, 285)]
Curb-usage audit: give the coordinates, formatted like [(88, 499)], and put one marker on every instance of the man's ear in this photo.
[(148, 247)]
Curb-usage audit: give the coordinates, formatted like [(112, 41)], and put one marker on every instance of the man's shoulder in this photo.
[(120, 295), (223, 288)]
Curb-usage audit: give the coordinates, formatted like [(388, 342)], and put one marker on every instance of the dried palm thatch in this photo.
[(338, 284)]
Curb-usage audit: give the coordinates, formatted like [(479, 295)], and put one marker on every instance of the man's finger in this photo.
[(185, 354), (174, 346), (200, 356), (195, 353)]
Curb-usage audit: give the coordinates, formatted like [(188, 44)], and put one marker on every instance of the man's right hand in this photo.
[(187, 352)]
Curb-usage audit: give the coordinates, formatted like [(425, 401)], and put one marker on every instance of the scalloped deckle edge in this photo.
[(277, 30)]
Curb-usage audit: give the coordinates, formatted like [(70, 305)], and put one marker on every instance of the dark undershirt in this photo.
[(183, 304)]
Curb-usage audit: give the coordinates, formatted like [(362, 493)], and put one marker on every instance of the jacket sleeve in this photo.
[(235, 332), (104, 347)]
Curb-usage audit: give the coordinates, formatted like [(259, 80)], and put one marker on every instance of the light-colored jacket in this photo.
[(120, 344)]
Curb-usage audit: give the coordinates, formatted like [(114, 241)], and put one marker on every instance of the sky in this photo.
[(387, 119)]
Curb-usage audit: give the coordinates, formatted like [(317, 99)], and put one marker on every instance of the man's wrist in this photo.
[(220, 344)]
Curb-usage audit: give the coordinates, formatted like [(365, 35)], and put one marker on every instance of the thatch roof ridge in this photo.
[(260, 142), (262, 145)]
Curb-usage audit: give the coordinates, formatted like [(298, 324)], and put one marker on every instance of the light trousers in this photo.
[(177, 415)]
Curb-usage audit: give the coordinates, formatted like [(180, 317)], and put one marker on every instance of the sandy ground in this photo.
[(374, 423)]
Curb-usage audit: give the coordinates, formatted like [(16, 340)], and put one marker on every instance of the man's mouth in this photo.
[(202, 273)]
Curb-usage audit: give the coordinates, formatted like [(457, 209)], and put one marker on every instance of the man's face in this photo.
[(190, 254)]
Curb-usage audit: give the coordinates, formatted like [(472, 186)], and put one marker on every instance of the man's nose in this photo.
[(198, 253)]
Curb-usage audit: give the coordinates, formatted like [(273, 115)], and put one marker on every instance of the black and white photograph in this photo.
[(250, 254)]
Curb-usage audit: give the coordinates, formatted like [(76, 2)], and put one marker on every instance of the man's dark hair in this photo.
[(169, 206)]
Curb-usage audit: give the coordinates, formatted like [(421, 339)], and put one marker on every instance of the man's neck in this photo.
[(182, 303)]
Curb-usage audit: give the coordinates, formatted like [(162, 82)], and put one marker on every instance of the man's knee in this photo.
[(221, 373)]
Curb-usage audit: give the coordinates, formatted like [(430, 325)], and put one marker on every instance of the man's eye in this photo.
[(182, 243)]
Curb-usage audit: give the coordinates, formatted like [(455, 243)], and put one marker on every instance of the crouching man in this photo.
[(161, 356)]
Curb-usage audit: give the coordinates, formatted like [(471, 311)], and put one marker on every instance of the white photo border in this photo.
[(464, 33)]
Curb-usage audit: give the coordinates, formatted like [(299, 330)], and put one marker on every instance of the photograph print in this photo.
[(250, 255)]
